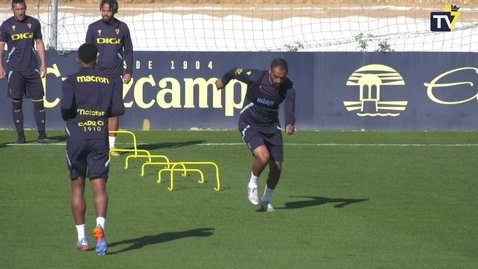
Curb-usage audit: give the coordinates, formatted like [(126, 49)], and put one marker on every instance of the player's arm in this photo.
[(3, 39), (247, 76), (117, 105), (68, 103), (42, 56), (128, 54), (37, 35), (289, 108), (2, 52), (90, 38)]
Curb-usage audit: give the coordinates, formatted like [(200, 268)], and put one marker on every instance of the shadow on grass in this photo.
[(316, 201), (29, 139), (138, 243), (58, 138)]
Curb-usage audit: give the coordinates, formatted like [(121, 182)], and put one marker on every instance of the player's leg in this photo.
[(101, 205), (262, 157), (77, 167), (78, 207), (98, 164), (34, 90), (17, 115), (275, 147), (255, 142), (113, 122), (16, 86), (275, 169)]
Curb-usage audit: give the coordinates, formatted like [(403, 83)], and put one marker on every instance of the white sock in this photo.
[(267, 194), (253, 181), (100, 221), (81, 231), (112, 141)]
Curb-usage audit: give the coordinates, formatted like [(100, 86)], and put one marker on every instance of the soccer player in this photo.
[(259, 122), (113, 40), (21, 33), (89, 97)]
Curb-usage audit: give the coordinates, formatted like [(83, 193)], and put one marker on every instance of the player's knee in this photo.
[(275, 166), (264, 159), (38, 105), (278, 166), (262, 155), (17, 104)]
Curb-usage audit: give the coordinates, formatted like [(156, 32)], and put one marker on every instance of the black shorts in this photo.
[(90, 156), (25, 83), (271, 137)]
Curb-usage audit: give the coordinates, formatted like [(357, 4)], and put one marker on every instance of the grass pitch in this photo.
[(345, 200)]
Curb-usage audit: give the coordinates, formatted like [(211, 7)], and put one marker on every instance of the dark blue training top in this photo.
[(114, 44), (263, 110), (20, 37), (88, 99)]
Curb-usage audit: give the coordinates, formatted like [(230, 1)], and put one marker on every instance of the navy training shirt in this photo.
[(261, 112), (88, 99), (114, 46), (20, 37)]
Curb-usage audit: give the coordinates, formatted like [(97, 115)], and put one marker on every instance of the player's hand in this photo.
[(127, 78), (2, 73), (42, 71), (289, 129), (219, 84)]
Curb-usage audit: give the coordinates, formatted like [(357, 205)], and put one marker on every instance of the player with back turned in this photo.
[(89, 98), (112, 37), (259, 122), (21, 33)]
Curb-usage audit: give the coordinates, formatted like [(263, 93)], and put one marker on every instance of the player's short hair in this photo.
[(87, 53), (280, 63), (112, 3), (14, 2)]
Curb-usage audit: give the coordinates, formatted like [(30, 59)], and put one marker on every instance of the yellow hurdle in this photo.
[(169, 166), (135, 149), (183, 168), (167, 163)]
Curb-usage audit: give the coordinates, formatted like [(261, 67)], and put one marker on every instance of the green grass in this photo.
[(345, 200)]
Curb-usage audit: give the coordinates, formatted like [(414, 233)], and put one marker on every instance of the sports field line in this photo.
[(351, 145), (57, 144), (285, 144)]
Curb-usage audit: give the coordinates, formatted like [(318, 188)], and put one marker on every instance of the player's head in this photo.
[(108, 9), (87, 55), (278, 72), (19, 8)]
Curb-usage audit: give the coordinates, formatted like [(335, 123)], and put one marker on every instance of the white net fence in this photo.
[(289, 25)]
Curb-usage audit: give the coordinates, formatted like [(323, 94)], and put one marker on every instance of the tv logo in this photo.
[(444, 21)]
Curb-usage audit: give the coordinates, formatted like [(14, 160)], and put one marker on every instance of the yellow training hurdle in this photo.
[(169, 166), (167, 163), (135, 149), (183, 168)]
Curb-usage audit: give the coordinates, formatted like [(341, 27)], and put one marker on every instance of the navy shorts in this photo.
[(25, 83), (88, 156), (271, 137), (118, 86)]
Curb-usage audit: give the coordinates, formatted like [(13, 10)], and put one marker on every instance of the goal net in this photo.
[(264, 25)]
